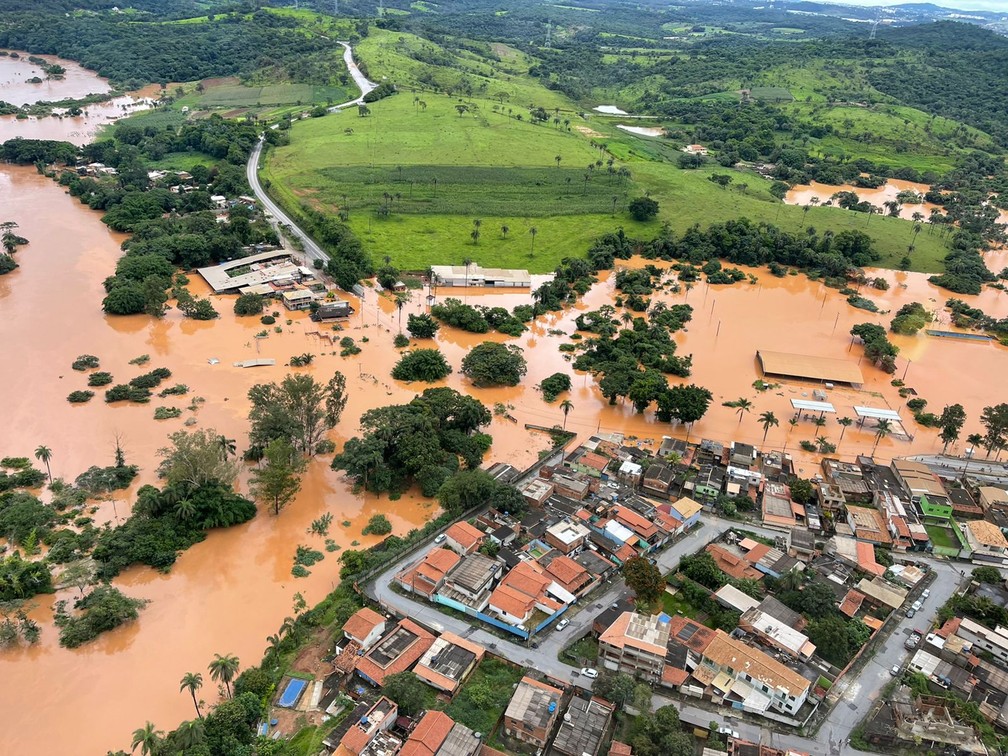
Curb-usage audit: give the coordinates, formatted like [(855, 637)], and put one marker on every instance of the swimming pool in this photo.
[(292, 693)]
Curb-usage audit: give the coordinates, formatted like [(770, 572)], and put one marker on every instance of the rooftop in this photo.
[(729, 653), (918, 477), (361, 623), (396, 652), (809, 367), (986, 534), (428, 734), (449, 657), (474, 571), (464, 534), (583, 727), (263, 268), (641, 631), (567, 532), (534, 703)]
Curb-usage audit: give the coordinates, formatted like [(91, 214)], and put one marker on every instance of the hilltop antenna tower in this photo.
[(874, 26), (335, 7), (549, 33), (381, 7)]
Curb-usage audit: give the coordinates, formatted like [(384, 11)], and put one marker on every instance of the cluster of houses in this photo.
[(520, 574)]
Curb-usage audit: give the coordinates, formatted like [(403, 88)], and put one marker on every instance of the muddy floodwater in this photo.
[(804, 194), (228, 593), (76, 83)]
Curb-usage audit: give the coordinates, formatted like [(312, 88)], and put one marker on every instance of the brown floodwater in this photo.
[(76, 83), (227, 594), (803, 194)]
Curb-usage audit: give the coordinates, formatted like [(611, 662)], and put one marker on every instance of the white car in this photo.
[(589, 672), (562, 624), (726, 730), (925, 594), (440, 538)]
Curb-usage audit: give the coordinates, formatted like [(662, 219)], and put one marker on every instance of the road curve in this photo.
[(312, 250)]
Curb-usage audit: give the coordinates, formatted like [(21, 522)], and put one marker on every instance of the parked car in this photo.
[(916, 606), (562, 624), (440, 537), (895, 671), (910, 612), (726, 730), (589, 672), (926, 594)]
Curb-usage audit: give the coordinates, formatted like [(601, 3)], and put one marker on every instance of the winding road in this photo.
[(312, 250)]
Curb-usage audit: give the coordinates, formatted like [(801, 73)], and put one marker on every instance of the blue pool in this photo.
[(292, 693)]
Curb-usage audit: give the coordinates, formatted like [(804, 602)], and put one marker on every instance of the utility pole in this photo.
[(549, 33)]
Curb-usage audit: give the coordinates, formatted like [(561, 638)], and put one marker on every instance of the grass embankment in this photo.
[(492, 167)]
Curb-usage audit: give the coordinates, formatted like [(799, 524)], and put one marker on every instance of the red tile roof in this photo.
[(866, 559), (673, 676), (732, 565), (594, 461), (950, 627), (361, 623), (571, 575), (465, 535), (527, 578), (428, 735), (407, 657), (619, 749), (513, 602), (641, 525), (852, 602)]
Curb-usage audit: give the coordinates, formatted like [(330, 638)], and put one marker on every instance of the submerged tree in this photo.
[(277, 480), (298, 409)]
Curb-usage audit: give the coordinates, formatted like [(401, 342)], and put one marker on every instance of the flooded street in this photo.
[(228, 593)]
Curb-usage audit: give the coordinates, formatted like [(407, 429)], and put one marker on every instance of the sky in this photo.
[(963, 5)]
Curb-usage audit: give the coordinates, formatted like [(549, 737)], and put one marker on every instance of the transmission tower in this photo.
[(874, 26), (335, 7), (549, 33)]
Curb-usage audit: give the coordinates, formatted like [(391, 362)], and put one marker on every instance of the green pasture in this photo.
[(241, 96)]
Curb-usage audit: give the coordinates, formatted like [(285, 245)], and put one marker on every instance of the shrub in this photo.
[(85, 362), (422, 326), (421, 365), (99, 379), (179, 389), (79, 397), (124, 392), (150, 380), (552, 387), (267, 320), (643, 208), (166, 413), (378, 525), (143, 359), (400, 341), (103, 609)]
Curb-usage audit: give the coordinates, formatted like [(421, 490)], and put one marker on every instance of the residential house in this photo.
[(472, 581), (849, 478), (774, 633), (830, 497), (583, 727), (964, 506), (868, 524), (298, 299), (801, 543), (364, 627), (394, 653), (448, 662), (709, 483), (463, 538), (992, 497), (741, 455), (428, 575), (779, 510), (570, 575), (695, 149), (783, 614), (568, 536), (524, 589), (574, 486), (686, 510), (536, 491), (636, 644), (630, 473), (532, 712), (760, 681), (934, 510), (732, 598), (589, 463), (647, 531), (329, 311), (374, 724), (985, 539), (732, 564), (994, 642), (658, 479), (881, 593), (687, 641)]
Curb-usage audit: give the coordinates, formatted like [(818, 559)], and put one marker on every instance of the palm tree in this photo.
[(558, 158), (192, 681), (822, 441), (224, 669), (400, 302), (819, 422), (44, 454), (185, 509), (626, 317), (768, 420), (845, 423), (974, 440), (467, 262), (883, 429), (792, 422), (475, 235), (227, 446), (147, 738), (566, 406), (532, 232), (190, 734), (504, 230), (742, 405), (10, 239)]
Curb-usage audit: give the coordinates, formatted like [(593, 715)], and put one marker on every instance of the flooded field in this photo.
[(816, 193), (227, 594)]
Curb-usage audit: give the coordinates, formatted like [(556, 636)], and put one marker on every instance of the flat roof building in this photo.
[(809, 367), (396, 652), (583, 727), (229, 277), (636, 644), (448, 662), (474, 275), (532, 712)]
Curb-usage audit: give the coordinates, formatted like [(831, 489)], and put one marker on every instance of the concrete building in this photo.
[(918, 479), (635, 644), (277, 267), (772, 632), (658, 478), (364, 627), (328, 311), (567, 536), (536, 491), (472, 581), (428, 575), (532, 712), (448, 662), (686, 510), (583, 728), (779, 511), (991, 497), (994, 642), (868, 524)]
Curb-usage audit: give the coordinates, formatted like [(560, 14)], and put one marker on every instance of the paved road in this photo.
[(858, 695), (312, 250)]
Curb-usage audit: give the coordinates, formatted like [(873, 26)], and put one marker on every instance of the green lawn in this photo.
[(942, 538), (240, 96), (584, 651), (675, 604)]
